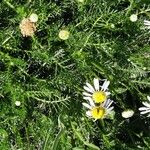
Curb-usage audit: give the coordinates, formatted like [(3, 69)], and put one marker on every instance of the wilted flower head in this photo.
[(146, 108), (27, 27), (133, 18), (127, 113)]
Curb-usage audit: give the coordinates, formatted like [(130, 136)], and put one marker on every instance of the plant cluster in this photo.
[(43, 71)]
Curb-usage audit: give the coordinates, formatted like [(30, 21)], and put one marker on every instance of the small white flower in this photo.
[(147, 23), (17, 103), (64, 34), (96, 93), (127, 113), (133, 18), (33, 18), (99, 112), (146, 108)]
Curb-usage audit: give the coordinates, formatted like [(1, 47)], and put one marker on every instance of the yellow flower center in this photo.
[(98, 112), (99, 96)]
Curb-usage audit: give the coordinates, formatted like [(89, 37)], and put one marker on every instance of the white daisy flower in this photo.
[(99, 112), (147, 23), (127, 113), (96, 93), (146, 108)]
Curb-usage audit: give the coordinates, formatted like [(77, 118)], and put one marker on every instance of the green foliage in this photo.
[(47, 74)]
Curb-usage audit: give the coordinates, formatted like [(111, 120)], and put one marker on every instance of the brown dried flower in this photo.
[(27, 27)]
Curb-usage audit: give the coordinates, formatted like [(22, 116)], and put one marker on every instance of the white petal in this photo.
[(145, 112), (104, 103), (86, 97), (146, 104), (92, 103), (110, 109), (87, 105), (143, 108), (96, 84), (147, 27), (146, 22), (107, 103), (88, 113), (90, 86), (148, 115), (87, 94), (90, 100), (107, 93), (148, 97), (105, 85), (87, 89)]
